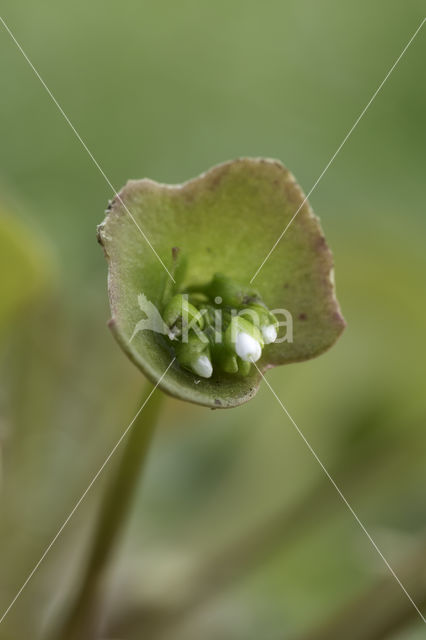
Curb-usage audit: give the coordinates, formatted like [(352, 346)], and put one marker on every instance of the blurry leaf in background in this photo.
[(26, 268)]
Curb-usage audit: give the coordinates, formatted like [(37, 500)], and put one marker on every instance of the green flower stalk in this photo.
[(181, 284), (194, 354), (180, 314), (231, 293), (268, 323)]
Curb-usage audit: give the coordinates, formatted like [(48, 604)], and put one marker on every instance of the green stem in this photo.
[(83, 619)]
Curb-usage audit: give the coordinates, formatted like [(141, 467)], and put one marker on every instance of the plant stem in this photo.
[(83, 620)]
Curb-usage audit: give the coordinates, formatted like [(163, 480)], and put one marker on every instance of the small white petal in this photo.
[(203, 367), (247, 347), (269, 333)]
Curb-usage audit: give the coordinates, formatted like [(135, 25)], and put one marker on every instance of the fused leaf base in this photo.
[(226, 221)]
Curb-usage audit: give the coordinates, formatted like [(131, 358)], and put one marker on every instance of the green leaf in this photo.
[(27, 264), (226, 221)]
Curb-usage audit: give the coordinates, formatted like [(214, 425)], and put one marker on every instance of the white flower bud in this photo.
[(202, 366), (247, 347), (269, 333)]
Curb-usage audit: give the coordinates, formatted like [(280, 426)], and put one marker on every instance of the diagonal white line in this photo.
[(342, 497), (84, 494), (84, 145), (339, 148)]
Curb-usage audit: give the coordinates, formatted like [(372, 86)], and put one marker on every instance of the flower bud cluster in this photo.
[(219, 326)]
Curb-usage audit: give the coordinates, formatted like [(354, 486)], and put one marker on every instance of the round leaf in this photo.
[(226, 220)]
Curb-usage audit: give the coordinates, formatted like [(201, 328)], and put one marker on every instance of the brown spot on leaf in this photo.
[(320, 243), (338, 316), (218, 175), (189, 195), (98, 235)]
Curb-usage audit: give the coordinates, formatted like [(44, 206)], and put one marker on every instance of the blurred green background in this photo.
[(237, 534)]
